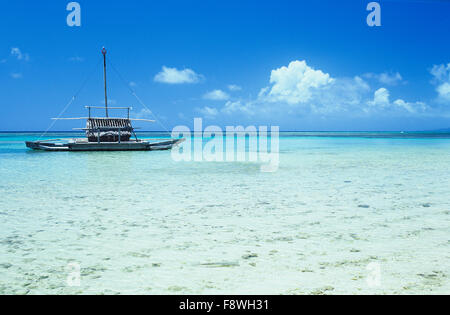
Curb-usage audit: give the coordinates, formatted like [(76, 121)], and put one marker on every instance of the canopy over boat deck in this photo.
[(106, 129)]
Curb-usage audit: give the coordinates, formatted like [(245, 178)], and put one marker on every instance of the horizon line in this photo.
[(162, 131)]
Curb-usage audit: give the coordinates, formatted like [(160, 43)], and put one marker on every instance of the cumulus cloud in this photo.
[(17, 53), (299, 89), (381, 101), (175, 76), (441, 74), (385, 77), (342, 95), (444, 91), (305, 89), (295, 83), (216, 95), (380, 98)]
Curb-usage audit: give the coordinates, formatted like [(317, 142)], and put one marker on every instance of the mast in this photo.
[(104, 76)]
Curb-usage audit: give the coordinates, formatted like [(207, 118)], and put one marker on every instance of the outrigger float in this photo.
[(105, 133)]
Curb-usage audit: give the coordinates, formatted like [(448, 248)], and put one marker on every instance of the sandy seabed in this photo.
[(140, 223)]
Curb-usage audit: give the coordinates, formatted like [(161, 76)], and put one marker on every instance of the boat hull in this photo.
[(84, 146)]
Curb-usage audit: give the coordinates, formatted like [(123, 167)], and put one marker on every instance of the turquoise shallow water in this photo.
[(139, 222)]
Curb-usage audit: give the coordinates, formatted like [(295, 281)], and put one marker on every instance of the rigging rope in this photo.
[(127, 83), (71, 100)]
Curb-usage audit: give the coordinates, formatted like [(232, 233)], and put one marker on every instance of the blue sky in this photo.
[(301, 65)]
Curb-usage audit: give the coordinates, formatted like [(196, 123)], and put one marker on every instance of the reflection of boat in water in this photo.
[(106, 133)]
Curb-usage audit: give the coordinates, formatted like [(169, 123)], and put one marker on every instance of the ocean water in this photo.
[(346, 213)]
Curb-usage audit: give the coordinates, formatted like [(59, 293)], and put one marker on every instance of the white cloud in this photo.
[(16, 75), (175, 76), (342, 95), (381, 101), (295, 83), (238, 107), (132, 84), (230, 107), (441, 72), (216, 95), (301, 90), (385, 77), (16, 52), (380, 98), (411, 107), (444, 90), (208, 111), (234, 87), (441, 75)]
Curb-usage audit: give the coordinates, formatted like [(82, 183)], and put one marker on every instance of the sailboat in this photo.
[(105, 133)]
